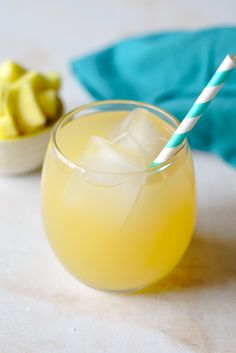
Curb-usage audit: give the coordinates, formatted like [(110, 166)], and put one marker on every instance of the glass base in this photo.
[(119, 291)]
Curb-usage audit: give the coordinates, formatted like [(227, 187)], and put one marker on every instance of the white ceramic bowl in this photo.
[(23, 154)]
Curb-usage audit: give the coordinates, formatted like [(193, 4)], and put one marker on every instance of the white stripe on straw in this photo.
[(210, 92)]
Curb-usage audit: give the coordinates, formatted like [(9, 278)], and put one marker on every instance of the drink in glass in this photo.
[(114, 223)]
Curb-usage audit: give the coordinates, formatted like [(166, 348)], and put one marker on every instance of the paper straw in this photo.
[(197, 110)]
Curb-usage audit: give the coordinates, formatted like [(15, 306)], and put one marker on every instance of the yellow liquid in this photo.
[(119, 237)]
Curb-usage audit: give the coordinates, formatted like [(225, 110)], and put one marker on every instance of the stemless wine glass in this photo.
[(115, 231)]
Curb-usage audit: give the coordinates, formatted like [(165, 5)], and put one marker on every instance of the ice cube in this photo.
[(128, 141), (138, 131), (102, 157), (109, 187)]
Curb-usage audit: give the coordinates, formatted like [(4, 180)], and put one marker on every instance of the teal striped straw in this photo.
[(197, 110)]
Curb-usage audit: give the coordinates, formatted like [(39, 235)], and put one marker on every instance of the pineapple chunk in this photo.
[(60, 108), (30, 116), (37, 81), (10, 71), (7, 126), (49, 103), (54, 80), (4, 88)]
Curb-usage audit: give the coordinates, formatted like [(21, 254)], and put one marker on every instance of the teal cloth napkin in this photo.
[(169, 70)]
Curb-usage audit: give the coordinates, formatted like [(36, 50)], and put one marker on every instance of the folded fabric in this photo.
[(170, 70)]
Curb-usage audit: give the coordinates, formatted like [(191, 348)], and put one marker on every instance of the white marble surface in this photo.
[(42, 308)]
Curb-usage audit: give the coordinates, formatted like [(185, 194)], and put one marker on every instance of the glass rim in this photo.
[(70, 163)]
